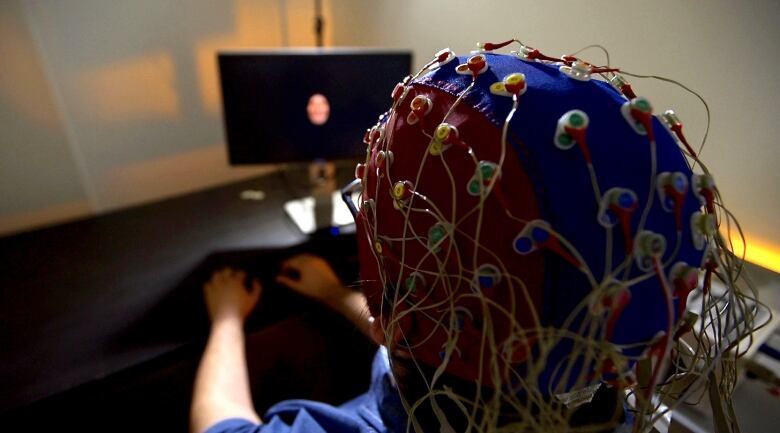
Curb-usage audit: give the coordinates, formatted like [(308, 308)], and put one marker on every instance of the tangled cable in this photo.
[(529, 226)]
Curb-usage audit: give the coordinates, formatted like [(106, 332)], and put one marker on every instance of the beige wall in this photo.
[(39, 179), (126, 102)]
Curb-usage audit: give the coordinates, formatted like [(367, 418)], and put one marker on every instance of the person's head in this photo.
[(318, 109), (529, 233)]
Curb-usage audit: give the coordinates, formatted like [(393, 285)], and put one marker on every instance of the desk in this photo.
[(84, 302)]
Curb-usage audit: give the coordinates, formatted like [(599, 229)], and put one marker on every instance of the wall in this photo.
[(39, 180), (725, 50)]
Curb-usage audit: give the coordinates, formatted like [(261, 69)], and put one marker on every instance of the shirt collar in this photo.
[(384, 389)]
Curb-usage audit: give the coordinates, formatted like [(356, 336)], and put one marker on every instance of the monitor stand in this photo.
[(324, 208)]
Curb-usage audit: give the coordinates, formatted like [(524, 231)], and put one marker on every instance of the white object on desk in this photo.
[(303, 213)]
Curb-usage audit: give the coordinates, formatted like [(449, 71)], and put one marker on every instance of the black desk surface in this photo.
[(84, 300)]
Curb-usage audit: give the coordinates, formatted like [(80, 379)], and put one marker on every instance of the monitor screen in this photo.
[(305, 105)]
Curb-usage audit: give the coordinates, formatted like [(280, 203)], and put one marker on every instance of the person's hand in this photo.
[(312, 276), (228, 297)]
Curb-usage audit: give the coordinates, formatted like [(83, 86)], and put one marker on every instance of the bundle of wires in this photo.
[(530, 227)]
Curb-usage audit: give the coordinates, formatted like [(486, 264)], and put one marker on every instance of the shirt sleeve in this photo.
[(275, 425), (299, 416), (234, 425)]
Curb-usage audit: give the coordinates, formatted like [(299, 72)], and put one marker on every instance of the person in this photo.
[(529, 235), (221, 398)]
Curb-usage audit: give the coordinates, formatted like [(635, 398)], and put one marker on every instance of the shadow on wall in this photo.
[(36, 167), (140, 90)]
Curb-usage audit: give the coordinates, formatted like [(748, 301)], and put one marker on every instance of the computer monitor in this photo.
[(291, 105)]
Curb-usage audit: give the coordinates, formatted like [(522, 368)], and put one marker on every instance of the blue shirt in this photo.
[(377, 411)]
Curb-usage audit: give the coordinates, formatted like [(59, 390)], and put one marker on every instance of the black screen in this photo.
[(287, 105)]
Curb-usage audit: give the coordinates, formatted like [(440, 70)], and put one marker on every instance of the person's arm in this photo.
[(222, 382), (312, 276)]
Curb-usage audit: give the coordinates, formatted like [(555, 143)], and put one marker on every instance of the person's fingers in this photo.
[(299, 261), (289, 269), (219, 276), (291, 263), (287, 281), (226, 275), (257, 289)]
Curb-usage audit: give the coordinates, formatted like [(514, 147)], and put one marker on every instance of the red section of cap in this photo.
[(410, 148)]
